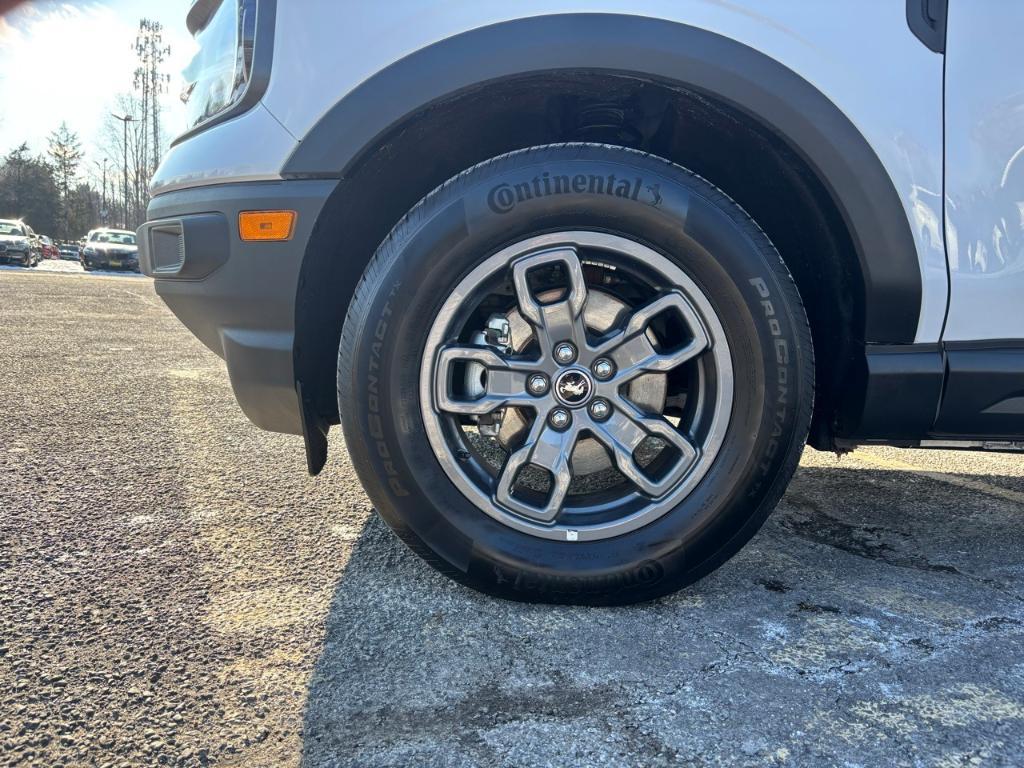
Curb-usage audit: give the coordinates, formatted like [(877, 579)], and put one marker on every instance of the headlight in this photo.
[(219, 73), (89, 251)]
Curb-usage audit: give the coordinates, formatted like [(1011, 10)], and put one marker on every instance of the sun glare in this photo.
[(68, 62)]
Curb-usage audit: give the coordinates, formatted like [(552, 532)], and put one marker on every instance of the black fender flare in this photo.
[(674, 54)]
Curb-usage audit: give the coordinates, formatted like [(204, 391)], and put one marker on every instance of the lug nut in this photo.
[(537, 384), (604, 369), (565, 353), (559, 418), (600, 410)]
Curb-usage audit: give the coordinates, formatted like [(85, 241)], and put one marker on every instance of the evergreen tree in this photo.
[(66, 153), (28, 190)]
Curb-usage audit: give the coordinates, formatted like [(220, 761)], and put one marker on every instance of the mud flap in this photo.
[(314, 433)]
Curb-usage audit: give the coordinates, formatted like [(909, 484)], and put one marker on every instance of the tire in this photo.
[(731, 334)]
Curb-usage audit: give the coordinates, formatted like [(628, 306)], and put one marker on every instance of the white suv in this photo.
[(579, 279)]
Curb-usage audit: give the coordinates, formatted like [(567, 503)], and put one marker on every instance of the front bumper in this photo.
[(237, 297), (112, 262)]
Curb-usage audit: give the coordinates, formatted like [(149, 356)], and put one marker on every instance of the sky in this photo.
[(67, 61)]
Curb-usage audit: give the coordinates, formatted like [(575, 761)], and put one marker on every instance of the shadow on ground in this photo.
[(174, 590), (875, 620)]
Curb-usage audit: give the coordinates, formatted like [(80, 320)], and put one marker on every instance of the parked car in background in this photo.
[(69, 251), (18, 243), (110, 249), (47, 248)]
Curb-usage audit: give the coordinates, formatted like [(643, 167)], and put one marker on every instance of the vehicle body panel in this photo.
[(225, 152), (985, 170), (244, 308), (897, 109)]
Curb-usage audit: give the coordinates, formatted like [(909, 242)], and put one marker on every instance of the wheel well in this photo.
[(735, 152)]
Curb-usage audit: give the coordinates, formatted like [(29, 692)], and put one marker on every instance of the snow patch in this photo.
[(66, 267)]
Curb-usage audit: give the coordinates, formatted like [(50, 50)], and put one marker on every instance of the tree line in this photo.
[(59, 193), (45, 191)]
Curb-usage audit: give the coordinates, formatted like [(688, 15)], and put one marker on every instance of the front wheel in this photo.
[(576, 373)]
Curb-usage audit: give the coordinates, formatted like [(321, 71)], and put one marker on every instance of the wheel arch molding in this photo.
[(673, 54)]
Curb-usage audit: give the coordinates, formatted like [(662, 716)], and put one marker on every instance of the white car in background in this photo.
[(19, 244), (578, 280), (110, 249)]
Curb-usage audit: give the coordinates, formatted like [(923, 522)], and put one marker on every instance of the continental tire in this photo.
[(575, 373)]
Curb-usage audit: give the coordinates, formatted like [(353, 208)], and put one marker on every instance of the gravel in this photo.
[(175, 590)]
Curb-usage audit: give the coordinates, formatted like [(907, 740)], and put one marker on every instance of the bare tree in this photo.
[(129, 172)]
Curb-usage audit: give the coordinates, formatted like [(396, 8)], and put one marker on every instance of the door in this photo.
[(984, 209), (984, 118)]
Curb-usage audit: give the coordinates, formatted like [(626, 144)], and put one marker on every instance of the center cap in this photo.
[(574, 388)]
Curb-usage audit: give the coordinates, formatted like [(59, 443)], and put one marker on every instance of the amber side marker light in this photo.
[(266, 225)]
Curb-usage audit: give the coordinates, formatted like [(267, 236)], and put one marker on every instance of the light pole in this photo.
[(125, 120)]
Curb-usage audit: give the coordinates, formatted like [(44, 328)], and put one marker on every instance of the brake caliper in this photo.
[(498, 336)]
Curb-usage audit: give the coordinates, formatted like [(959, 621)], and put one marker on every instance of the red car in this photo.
[(50, 251)]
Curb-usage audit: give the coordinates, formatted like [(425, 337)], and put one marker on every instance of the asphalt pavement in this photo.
[(175, 590)]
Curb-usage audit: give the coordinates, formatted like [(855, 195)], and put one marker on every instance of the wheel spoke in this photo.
[(547, 449), (560, 320), (623, 433), (632, 351), (506, 381)]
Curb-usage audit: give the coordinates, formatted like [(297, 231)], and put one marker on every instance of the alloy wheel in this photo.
[(576, 385)]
